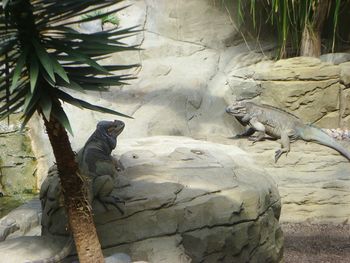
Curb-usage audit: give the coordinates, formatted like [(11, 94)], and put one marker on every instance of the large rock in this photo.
[(188, 201)]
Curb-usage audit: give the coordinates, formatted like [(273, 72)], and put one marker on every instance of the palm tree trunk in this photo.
[(75, 195), (311, 37)]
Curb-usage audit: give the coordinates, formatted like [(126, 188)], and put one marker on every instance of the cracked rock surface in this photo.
[(186, 201), (193, 200), (313, 180)]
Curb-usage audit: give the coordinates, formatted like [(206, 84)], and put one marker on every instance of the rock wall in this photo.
[(316, 91), (17, 161)]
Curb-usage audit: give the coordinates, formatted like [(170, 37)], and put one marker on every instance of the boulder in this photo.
[(193, 200), (188, 201)]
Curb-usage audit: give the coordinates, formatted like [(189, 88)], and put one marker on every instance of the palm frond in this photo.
[(42, 52)]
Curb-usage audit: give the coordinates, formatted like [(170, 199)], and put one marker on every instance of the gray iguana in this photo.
[(98, 169), (97, 164), (279, 124)]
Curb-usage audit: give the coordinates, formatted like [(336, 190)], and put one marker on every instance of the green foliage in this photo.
[(42, 56), (111, 18), (290, 17)]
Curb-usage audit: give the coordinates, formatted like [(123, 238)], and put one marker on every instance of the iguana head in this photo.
[(113, 128), (107, 133), (237, 109)]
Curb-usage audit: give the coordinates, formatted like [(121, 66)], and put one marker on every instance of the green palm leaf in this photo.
[(35, 67)]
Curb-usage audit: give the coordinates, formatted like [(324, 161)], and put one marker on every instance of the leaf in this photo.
[(31, 101), (27, 117), (62, 118), (59, 70), (4, 3), (76, 55), (20, 95), (46, 105), (48, 79), (44, 59), (83, 104), (11, 110), (18, 69), (34, 72), (116, 80), (83, 71), (72, 85), (70, 9), (98, 16)]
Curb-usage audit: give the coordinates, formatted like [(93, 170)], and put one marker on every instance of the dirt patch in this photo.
[(321, 243)]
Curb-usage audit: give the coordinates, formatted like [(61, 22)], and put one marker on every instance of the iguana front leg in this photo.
[(285, 145), (259, 127), (248, 132)]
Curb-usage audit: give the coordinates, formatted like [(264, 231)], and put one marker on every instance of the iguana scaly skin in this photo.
[(99, 171), (96, 163), (279, 124)]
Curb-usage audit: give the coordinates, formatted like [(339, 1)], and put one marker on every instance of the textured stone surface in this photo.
[(187, 200), (21, 220), (201, 197), (313, 180), (17, 161)]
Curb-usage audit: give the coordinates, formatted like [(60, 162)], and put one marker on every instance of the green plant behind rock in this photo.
[(111, 18), (299, 23)]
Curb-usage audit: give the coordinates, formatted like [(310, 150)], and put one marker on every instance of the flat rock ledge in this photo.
[(188, 201)]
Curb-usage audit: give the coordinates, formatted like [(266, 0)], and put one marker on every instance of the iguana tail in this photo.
[(312, 133)]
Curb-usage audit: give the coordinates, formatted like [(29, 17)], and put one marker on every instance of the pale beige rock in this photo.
[(311, 100), (187, 201), (177, 192), (313, 180)]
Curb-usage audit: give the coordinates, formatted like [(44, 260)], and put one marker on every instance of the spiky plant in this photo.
[(41, 58)]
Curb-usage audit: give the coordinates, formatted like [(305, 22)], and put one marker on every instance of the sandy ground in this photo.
[(321, 243)]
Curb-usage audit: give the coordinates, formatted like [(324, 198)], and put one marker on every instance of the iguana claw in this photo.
[(278, 154)]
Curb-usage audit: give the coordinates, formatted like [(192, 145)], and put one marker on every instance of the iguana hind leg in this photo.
[(285, 146), (103, 186)]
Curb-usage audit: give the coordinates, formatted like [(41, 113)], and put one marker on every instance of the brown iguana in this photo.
[(279, 124), (99, 170)]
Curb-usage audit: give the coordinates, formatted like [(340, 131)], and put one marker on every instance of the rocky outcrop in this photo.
[(188, 200), (315, 91), (313, 180)]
